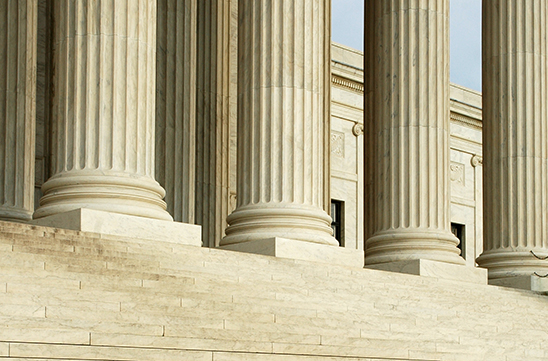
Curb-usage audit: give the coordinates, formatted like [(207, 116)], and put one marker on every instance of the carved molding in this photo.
[(337, 144), (467, 121), (347, 83), (357, 129), (457, 173), (232, 202), (477, 160)]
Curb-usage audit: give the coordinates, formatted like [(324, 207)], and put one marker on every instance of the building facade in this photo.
[(147, 140), (186, 77)]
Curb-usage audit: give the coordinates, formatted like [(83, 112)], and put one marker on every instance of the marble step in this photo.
[(154, 273), (254, 275), (296, 297), (390, 291), (223, 300)]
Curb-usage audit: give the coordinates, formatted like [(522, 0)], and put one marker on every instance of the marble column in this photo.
[(176, 106), (103, 109), (18, 24), (43, 87), (408, 174), (214, 113), (281, 123), (369, 119), (515, 138)]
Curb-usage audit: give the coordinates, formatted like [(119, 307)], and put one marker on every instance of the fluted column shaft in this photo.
[(281, 129), (216, 47), (369, 118), (176, 106), (515, 139), (410, 180), (17, 108), (103, 109)]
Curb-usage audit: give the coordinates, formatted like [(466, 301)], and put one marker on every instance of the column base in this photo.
[(15, 214), (116, 224), (307, 251), (441, 270), (531, 283)]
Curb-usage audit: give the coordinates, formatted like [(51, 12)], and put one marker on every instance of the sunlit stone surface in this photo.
[(408, 170), (515, 138), (103, 109)]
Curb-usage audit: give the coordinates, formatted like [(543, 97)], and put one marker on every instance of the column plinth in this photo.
[(282, 123), (18, 24), (103, 109), (515, 139), (407, 173)]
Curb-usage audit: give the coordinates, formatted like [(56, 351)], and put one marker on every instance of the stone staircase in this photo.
[(67, 295)]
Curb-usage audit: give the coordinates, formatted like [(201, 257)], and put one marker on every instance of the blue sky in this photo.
[(347, 29)]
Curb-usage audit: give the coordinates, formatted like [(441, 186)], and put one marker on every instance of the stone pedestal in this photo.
[(407, 177), (306, 251), (176, 106), (122, 225), (103, 109), (531, 283), (515, 139), (282, 123), (18, 22), (441, 270)]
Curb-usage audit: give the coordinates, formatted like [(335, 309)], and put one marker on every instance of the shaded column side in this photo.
[(369, 119), (215, 111), (176, 106)]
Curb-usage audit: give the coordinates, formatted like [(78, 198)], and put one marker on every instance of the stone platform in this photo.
[(116, 224), (72, 295), (307, 251)]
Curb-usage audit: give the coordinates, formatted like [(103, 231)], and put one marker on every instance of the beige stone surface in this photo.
[(103, 109), (466, 169), (17, 108), (90, 220), (347, 161), (118, 286), (281, 126), (515, 117), (536, 283), (176, 106), (347, 140), (216, 116), (443, 270), (288, 248), (408, 179), (168, 302)]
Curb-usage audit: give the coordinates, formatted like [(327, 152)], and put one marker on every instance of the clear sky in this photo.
[(347, 29)]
